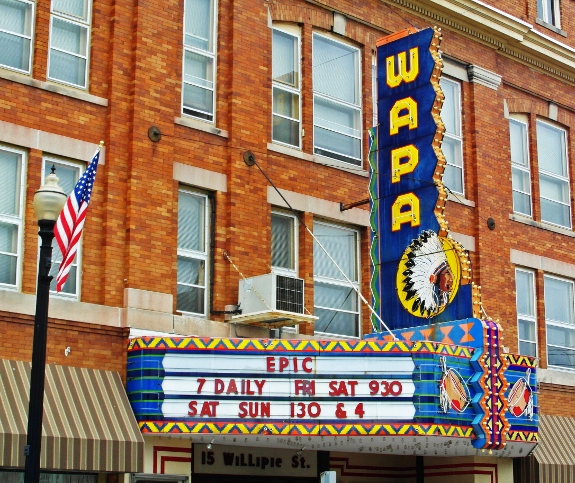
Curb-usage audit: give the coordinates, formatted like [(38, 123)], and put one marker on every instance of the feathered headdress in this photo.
[(426, 264)]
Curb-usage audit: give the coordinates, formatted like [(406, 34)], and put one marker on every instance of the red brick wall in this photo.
[(91, 346), (555, 400)]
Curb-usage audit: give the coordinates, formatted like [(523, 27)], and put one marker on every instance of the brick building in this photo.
[(183, 92)]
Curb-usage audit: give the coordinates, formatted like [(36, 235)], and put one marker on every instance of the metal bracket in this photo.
[(344, 207)]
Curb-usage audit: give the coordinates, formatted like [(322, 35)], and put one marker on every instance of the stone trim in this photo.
[(56, 88), (323, 208), (553, 376), (551, 27), (49, 143), (455, 69), (543, 226), (147, 300), (295, 153), (201, 178), (200, 126), (466, 241), (538, 262), (460, 199), (334, 163), (482, 76)]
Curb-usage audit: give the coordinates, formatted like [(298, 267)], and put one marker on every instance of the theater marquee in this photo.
[(403, 397), (285, 387)]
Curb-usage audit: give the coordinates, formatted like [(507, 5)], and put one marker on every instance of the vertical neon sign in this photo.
[(421, 275)]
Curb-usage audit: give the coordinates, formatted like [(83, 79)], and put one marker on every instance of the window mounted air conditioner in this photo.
[(271, 292)]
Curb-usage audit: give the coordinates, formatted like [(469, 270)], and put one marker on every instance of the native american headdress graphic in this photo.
[(427, 280)]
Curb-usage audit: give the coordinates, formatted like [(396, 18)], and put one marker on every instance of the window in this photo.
[(68, 175), (548, 11), (69, 41), (521, 175), (11, 206), (526, 312), (193, 232), (553, 174), (560, 322), (452, 145), (16, 20), (284, 244), (335, 301), (286, 88), (198, 91), (337, 100)]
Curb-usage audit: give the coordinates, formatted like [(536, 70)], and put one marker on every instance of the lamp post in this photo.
[(48, 203)]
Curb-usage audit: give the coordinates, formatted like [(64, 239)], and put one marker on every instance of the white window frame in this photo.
[(531, 318), (83, 23), (552, 17), (47, 162), (525, 168), (341, 282), (30, 38), (203, 256), (558, 324), (330, 154), (556, 176), (457, 137), (209, 54), (295, 230), (17, 221), (294, 32)]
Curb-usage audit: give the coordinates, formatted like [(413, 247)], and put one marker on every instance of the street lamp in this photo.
[(48, 203)]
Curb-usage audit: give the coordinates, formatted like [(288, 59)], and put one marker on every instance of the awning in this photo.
[(553, 460), (88, 424)]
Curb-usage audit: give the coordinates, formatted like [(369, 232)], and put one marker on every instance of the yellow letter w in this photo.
[(393, 79)]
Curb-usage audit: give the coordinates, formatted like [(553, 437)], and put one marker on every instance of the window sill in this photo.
[(64, 296), (459, 199), (551, 27), (543, 226), (56, 88), (9, 288), (334, 163), (316, 158), (556, 376), (294, 153), (201, 126)]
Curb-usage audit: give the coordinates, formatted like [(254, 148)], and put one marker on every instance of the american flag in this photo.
[(71, 220)]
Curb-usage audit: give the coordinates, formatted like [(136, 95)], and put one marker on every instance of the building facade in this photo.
[(234, 130)]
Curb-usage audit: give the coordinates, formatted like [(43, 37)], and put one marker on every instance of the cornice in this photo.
[(482, 76), (511, 36)]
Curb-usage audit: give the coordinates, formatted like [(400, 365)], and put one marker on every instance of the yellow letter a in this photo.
[(397, 120), (399, 217)]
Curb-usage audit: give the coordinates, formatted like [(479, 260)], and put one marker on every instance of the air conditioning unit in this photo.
[(271, 292)]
